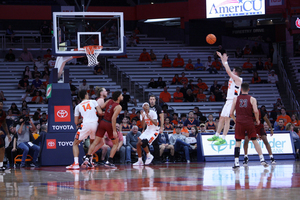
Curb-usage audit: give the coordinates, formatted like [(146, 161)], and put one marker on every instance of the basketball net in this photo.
[(92, 55)]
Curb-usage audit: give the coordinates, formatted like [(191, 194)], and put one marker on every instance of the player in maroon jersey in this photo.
[(107, 124), (3, 131), (245, 105)]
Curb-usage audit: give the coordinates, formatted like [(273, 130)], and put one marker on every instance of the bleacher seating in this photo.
[(294, 62)]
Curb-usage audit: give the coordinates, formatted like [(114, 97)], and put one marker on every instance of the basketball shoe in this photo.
[(220, 141), (73, 166), (213, 138)]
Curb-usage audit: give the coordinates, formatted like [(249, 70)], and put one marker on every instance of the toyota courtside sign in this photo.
[(234, 8), (51, 143), (297, 23), (62, 114)]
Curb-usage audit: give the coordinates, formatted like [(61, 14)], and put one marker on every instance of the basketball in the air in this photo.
[(211, 39)]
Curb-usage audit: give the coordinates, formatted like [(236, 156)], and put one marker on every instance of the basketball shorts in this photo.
[(104, 127), (260, 130), (87, 129), (226, 109), (149, 135), (242, 128)]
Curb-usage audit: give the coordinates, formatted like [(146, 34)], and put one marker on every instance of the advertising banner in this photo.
[(275, 2)]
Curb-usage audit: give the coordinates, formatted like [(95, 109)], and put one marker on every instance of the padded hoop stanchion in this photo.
[(92, 54)]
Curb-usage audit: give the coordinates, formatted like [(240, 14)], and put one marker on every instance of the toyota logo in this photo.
[(62, 113), (51, 144)]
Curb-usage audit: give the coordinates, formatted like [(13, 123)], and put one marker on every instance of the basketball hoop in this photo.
[(92, 55)]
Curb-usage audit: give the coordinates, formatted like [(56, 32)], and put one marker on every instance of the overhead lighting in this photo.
[(152, 2), (161, 20)]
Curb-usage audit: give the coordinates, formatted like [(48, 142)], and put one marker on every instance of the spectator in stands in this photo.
[(215, 86), (217, 65), (224, 87), (37, 83), (72, 87), (183, 130), (202, 128), (280, 125), (136, 30), (175, 80), (284, 116), (295, 121), (98, 70), (202, 85), (189, 96), (238, 53), (196, 90), (125, 125), (39, 62), (273, 113), (152, 83), (23, 83), (273, 78), (266, 126), (212, 97), (126, 100), (91, 91), (164, 143), (184, 89), (165, 96), (221, 50), (27, 72), (37, 98), (36, 73), (197, 111), (83, 86), (189, 66), (131, 41), (43, 119), (255, 78), (27, 96), (145, 56), (259, 64), (47, 56), (152, 55), (26, 56), (295, 136), (200, 96), (248, 66), (269, 65), (10, 57), (263, 108), (45, 73), (256, 49), (14, 109), (160, 83), (209, 67), (178, 96), (131, 141), (167, 125), (175, 119), (279, 104), (211, 125), (45, 29), (132, 114), (191, 85), (178, 62), (137, 39), (247, 50), (51, 62), (10, 33), (183, 80), (166, 62), (183, 118), (11, 149), (199, 66)]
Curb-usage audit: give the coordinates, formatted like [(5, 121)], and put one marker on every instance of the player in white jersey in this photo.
[(234, 88), (88, 110), (148, 117)]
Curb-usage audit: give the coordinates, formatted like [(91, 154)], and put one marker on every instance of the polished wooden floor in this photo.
[(214, 180)]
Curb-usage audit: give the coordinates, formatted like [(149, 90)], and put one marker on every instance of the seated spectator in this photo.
[(131, 41), (145, 56), (212, 97), (191, 85), (10, 33), (286, 119), (196, 90), (152, 55), (209, 67), (202, 85), (178, 96), (72, 87), (136, 30), (160, 83), (273, 78), (46, 82), (183, 118), (189, 96), (175, 80), (132, 114), (175, 119), (295, 136), (178, 141), (83, 86), (10, 57), (295, 121), (197, 112), (164, 143), (259, 64), (26, 97), (211, 125), (2, 98), (39, 63), (202, 128), (14, 109), (247, 50), (26, 56), (248, 66), (263, 108), (27, 72), (199, 66), (273, 113), (37, 83), (131, 141), (255, 78), (189, 66), (125, 126), (36, 73), (183, 79), (266, 126), (167, 125), (178, 62), (98, 70), (152, 83), (191, 121), (91, 91), (23, 83), (137, 38), (166, 62), (224, 87), (37, 98), (183, 130), (279, 104), (269, 65), (11, 150), (43, 119), (47, 56), (215, 86), (184, 89), (51, 62), (216, 65), (238, 53), (200, 96), (165, 96), (280, 125)]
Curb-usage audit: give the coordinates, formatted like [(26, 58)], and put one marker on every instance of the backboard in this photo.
[(74, 30)]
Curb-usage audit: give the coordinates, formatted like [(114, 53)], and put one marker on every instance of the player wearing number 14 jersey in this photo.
[(88, 109)]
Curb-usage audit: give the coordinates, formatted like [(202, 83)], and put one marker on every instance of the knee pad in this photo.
[(144, 143), (253, 138)]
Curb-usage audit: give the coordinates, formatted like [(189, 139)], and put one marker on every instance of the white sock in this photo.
[(223, 137), (148, 155), (217, 134), (1, 164), (140, 160), (245, 156), (236, 162), (76, 160), (271, 156), (261, 157)]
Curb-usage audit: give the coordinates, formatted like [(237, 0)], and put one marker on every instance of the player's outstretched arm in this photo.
[(99, 111), (255, 110), (224, 59), (233, 109)]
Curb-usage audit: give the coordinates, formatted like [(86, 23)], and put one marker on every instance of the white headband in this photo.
[(145, 104)]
